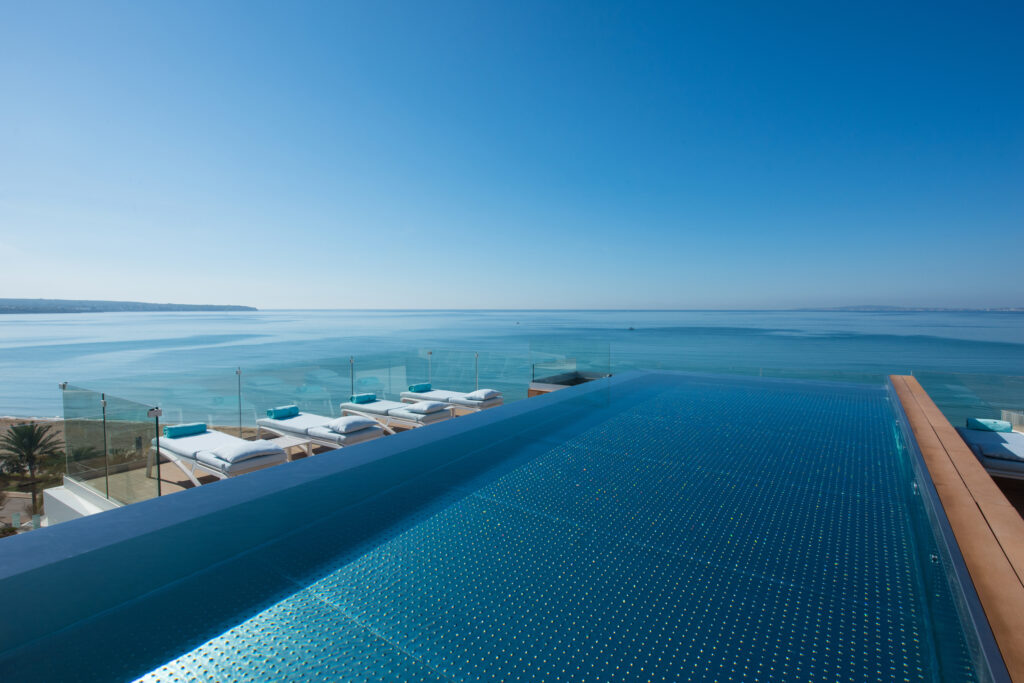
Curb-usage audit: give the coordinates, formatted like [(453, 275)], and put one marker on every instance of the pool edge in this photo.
[(987, 529)]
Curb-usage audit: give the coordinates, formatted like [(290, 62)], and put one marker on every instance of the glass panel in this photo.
[(446, 369), (208, 397), (108, 441), (964, 395), (388, 375), (130, 433), (315, 388), (569, 362), (84, 438)]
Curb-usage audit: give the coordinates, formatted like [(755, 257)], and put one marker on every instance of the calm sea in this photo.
[(972, 362)]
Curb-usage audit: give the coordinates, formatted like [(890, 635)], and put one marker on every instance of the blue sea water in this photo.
[(971, 362)]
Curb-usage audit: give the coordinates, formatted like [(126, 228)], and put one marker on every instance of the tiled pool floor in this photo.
[(691, 529)]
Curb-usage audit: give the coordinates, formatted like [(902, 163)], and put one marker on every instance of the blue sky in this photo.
[(524, 155)]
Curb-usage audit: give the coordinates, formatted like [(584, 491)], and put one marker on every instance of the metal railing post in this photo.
[(155, 413), (238, 371), (106, 458), (64, 412)]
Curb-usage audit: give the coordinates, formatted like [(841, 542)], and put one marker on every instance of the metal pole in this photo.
[(155, 413), (476, 367), (430, 355), (238, 371), (106, 460), (352, 375), (67, 451)]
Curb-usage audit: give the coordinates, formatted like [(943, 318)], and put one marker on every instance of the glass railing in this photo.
[(1014, 417), (964, 395), (234, 398), (129, 453), (85, 437), (568, 362), (108, 444), (108, 438)]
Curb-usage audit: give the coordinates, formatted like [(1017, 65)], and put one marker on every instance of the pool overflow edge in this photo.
[(972, 613)]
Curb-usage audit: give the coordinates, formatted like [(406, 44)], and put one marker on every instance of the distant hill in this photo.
[(913, 309), (86, 306)]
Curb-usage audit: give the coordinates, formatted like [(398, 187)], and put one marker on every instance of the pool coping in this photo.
[(987, 529)]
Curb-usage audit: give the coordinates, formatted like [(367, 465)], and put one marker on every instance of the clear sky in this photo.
[(520, 154)]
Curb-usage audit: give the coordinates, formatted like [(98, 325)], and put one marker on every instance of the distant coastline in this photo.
[(90, 306), (913, 309)]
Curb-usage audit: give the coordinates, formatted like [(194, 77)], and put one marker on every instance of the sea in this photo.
[(225, 366)]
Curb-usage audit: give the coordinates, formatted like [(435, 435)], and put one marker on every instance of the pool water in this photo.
[(668, 527)]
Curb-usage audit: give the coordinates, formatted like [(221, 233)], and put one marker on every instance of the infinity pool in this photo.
[(655, 527)]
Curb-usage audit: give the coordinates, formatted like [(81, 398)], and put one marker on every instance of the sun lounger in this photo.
[(1001, 453), (481, 399), (217, 453), (324, 431), (397, 414)]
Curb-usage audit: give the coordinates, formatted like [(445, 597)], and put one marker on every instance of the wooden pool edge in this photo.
[(988, 529)]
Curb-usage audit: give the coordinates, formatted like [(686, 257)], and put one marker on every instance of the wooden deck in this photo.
[(988, 528)]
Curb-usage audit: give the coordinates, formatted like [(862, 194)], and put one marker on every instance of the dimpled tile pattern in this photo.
[(732, 531)]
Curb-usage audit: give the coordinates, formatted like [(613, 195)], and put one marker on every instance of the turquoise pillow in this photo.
[(281, 412), (190, 429), (363, 398), (985, 425), (419, 388)]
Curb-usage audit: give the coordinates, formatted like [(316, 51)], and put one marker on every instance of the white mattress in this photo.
[(259, 462), (454, 397), (433, 395), (300, 424), (482, 405), (188, 446), (421, 418), (378, 407), (358, 436)]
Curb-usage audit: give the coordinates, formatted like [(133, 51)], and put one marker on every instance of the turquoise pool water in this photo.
[(660, 527)]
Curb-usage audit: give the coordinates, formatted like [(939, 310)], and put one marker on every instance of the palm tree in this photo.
[(22, 448)]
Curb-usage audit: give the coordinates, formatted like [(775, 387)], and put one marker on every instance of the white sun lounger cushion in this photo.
[(378, 407), (188, 446), (350, 423), (300, 424), (482, 394), (244, 450), (977, 437), (421, 418), (358, 436), (1010, 448), (997, 445), (238, 467), (433, 395), (424, 407), (489, 403)]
